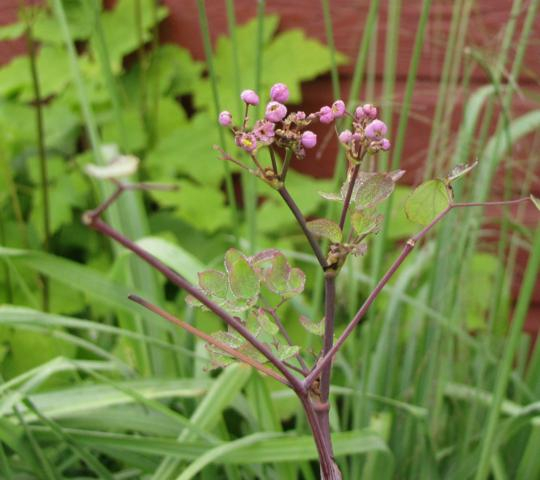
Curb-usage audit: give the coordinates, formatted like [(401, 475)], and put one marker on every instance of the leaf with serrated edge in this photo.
[(427, 201), (316, 328), (536, 201), (243, 281), (459, 171), (323, 227)]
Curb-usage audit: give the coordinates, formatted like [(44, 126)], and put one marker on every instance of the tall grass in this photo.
[(419, 391)]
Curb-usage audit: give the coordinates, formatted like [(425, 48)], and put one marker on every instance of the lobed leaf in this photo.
[(427, 201), (374, 189), (214, 283), (325, 228), (243, 281)]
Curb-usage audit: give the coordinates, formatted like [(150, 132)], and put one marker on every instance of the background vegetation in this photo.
[(438, 383)]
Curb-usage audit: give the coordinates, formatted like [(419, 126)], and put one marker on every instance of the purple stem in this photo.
[(326, 372), (348, 197), (208, 338), (97, 224), (303, 225), (327, 358)]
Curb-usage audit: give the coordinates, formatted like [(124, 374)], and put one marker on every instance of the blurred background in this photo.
[(446, 368)]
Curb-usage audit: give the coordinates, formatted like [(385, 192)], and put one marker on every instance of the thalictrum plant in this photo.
[(249, 293)]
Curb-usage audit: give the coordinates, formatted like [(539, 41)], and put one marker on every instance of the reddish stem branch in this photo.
[(283, 331), (303, 225), (208, 338), (348, 196), (93, 221), (327, 358)]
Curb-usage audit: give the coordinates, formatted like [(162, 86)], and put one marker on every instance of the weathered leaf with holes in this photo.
[(427, 201), (373, 190), (460, 170), (243, 281), (325, 228), (214, 283), (316, 328), (365, 222), (536, 201)]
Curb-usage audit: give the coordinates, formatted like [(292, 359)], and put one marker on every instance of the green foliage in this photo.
[(427, 201), (326, 229)]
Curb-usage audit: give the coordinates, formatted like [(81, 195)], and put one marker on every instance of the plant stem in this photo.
[(208, 338), (348, 197), (329, 469), (326, 372), (40, 131), (303, 225), (287, 337), (94, 222)]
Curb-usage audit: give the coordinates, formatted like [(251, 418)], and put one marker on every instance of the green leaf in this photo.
[(365, 222), (201, 206), (317, 328), (214, 283), (243, 280), (266, 323), (306, 59), (12, 31), (427, 201), (372, 189), (285, 352), (326, 229), (118, 28)]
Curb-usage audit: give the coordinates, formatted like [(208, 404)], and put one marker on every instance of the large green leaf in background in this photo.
[(288, 57)]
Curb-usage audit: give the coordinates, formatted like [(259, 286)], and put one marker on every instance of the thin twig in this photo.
[(348, 196), (93, 220), (208, 338), (286, 163), (303, 225), (285, 333)]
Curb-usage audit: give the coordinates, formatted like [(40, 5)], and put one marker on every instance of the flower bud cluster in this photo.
[(289, 130), (367, 134), (277, 127)]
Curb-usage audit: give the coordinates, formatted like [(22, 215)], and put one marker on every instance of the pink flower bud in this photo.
[(366, 111), (338, 108), (275, 111), (246, 141), (299, 116), (326, 115), (225, 118), (370, 111), (279, 92), (309, 139), (385, 144), (345, 137), (250, 97), (376, 129)]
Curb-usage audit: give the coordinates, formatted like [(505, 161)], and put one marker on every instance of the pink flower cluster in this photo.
[(277, 127), (288, 130), (368, 133)]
